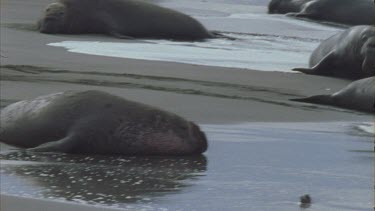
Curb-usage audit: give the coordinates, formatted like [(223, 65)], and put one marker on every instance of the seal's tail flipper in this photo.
[(317, 99), (63, 145)]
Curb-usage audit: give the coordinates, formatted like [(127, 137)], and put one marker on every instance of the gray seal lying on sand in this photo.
[(350, 53), (121, 19), (351, 12), (95, 122), (358, 95)]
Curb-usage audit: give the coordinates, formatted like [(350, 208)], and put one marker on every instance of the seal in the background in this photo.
[(350, 54), (358, 95), (351, 12), (120, 18), (95, 122)]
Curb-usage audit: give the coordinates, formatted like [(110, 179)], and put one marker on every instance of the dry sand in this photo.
[(200, 93)]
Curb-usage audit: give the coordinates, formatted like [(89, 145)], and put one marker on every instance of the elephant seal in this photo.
[(358, 95), (350, 12), (350, 53), (95, 122), (121, 19)]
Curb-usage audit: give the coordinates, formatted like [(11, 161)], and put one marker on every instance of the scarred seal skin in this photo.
[(350, 12), (358, 95), (95, 122), (349, 54), (126, 19)]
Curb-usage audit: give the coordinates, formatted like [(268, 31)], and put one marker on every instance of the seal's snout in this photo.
[(200, 140), (50, 24)]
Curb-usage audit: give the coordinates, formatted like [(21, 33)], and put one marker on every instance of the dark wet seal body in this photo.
[(349, 54), (120, 18), (351, 12), (94, 122), (358, 95)]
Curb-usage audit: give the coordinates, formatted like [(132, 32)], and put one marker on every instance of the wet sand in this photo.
[(253, 166), (207, 95), (16, 203)]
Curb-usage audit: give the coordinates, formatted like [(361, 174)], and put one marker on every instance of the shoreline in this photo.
[(207, 95)]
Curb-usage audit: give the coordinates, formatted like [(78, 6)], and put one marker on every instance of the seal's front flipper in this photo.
[(120, 36), (297, 15), (292, 14), (304, 70), (317, 99), (63, 145), (322, 68), (300, 15), (368, 66), (110, 26)]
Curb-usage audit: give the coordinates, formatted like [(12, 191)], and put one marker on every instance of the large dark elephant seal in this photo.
[(94, 122), (350, 53), (120, 18), (358, 95), (351, 12)]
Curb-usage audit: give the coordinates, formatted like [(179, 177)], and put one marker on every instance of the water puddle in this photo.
[(252, 166)]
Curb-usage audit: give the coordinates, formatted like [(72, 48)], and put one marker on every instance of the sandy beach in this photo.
[(214, 89), (207, 95)]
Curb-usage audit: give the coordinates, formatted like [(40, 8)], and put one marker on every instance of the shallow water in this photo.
[(260, 52), (253, 166), (263, 42)]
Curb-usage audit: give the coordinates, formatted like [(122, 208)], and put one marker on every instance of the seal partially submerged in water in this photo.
[(358, 95), (350, 53), (351, 12), (120, 18), (98, 123)]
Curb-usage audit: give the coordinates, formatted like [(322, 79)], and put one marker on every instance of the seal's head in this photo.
[(199, 140), (53, 20), (173, 136)]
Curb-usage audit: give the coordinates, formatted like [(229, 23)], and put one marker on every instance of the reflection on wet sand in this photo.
[(102, 180)]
